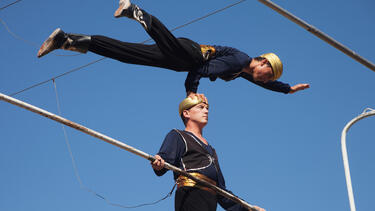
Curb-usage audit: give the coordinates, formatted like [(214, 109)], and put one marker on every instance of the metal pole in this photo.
[(120, 145), (365, 114), (319, 34)]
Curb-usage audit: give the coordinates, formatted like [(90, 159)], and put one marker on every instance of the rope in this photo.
[(66, 138), (95, 61), (203, 17), (82, 186), (16, 36), (10, 4), (29, 42), (145, 204), (61, 75), (22, 39)]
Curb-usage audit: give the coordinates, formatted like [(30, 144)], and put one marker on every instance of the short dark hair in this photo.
[(183, 118)]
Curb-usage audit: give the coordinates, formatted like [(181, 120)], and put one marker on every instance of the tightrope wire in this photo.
[(61, 75)]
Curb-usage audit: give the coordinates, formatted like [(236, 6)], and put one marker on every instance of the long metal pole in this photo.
[(319, 34), (345, 155), (120, 145)]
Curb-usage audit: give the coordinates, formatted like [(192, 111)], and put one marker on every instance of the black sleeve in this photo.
[(276, 86), (171, 151), (192, 81)]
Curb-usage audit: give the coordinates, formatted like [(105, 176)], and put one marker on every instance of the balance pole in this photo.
[(121, 145)]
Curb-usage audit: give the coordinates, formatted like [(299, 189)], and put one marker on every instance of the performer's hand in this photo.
[(298, 87), (158, 163), (199, 96), (257, 208)]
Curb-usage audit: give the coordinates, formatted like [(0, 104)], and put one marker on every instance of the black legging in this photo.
[(194, 199), (169, 52)]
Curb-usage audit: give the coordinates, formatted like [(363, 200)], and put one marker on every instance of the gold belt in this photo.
[(183, 181), (208, 52)]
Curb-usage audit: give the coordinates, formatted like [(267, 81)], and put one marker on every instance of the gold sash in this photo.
[(187, 182), (208, 52)]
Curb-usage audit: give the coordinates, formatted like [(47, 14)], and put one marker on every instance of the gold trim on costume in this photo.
[(183, 181), (208, 52)]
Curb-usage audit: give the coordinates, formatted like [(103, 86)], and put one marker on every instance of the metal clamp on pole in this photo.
[(366, 113)]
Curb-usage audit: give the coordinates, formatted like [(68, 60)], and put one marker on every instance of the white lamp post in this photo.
[(366, 113)]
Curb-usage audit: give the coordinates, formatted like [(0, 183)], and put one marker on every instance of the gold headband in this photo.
[(276, 64), (188, 103)]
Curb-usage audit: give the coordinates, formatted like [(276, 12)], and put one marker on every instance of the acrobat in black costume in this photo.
[(178, 54)]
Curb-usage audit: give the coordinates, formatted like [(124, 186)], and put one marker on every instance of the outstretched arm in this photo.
[(192, 82), (298, 87), (276, 86)]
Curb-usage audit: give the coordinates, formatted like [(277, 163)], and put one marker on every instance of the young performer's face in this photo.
[(198, 113), (262, 72)]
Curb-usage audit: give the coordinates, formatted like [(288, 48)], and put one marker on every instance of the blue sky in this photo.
[(281, 152)]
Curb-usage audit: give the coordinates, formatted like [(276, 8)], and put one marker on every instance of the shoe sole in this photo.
[(49, 44)]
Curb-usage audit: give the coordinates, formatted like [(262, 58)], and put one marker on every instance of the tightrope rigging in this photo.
[(10, 4), (28, 41), (75, 169), (15, 35)]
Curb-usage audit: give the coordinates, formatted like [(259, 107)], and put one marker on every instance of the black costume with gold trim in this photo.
[(184, 150)]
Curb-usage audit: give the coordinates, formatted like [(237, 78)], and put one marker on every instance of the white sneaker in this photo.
[(122, 9)]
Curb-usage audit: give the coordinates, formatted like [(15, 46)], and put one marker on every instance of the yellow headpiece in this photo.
[(188, 103), (276, 64)]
